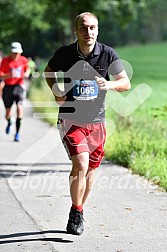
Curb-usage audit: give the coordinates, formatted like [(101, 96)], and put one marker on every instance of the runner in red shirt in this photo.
[(1, 81), (14, 68)]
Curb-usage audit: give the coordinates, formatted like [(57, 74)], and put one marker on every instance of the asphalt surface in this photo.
[(124, 212)]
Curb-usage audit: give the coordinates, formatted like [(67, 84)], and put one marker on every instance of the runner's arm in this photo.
[(51, 79), (2, 84), (4, 76), (27, 73), (120, 84)]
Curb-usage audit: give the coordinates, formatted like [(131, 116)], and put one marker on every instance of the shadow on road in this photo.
[(52, 239), (30, 170), (33, 165)]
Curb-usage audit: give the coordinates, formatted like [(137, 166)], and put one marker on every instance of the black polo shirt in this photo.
[(75, 67)]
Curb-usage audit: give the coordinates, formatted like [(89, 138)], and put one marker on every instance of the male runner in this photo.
[(81, 114), (14, 68)]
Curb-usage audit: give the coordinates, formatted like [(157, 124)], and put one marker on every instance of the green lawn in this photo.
[(139, 141)]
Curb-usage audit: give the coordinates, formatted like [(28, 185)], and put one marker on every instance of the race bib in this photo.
[(85, 89), (16, 72)]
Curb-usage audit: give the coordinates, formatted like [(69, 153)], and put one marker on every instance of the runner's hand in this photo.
[(102, 83), (60, 99)]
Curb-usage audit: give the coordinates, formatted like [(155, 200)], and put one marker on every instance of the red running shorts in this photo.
[(83, 137)]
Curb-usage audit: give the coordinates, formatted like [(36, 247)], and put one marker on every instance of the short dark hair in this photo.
[(81, 15)]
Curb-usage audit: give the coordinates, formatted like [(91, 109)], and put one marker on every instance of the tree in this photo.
[(42, 26), (20, 20)]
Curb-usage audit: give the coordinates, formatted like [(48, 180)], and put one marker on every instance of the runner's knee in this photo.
[(80, 163)]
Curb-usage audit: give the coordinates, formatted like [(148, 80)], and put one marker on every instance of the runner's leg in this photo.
[(78, 174), (8, 113), (19, 110), (89, 183)]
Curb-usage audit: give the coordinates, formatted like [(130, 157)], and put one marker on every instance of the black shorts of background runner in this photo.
[(11, 94)]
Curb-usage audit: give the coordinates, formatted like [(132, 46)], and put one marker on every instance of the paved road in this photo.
[(124, 212)]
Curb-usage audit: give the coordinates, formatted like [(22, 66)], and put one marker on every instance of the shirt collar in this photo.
[(96, 50)]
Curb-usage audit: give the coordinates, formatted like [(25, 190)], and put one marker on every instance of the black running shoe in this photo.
[(75, 222)]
